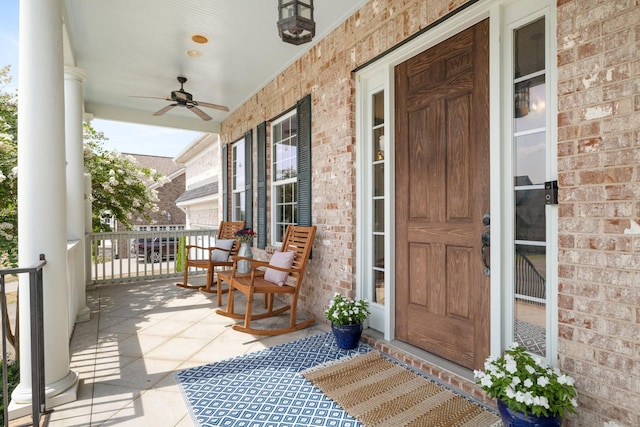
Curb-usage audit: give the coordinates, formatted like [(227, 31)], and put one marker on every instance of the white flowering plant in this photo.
[(346, 311), (526, 383)]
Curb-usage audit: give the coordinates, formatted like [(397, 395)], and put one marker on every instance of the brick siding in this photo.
[(599, 229)]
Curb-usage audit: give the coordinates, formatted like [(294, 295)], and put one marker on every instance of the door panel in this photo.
[(442, 191)]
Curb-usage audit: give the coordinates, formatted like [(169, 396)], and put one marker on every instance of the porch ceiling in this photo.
[(139, 48)]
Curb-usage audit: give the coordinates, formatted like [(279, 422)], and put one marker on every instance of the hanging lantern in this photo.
[(295, 21)]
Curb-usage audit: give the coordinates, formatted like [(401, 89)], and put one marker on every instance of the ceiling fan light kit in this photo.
[(295, 21)]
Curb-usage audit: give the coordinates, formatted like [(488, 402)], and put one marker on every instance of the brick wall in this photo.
[(599, 226), (167, 195), (598, 157)]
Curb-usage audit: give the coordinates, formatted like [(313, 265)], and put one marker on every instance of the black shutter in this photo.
[(304, 161), (248, 178), (225, 183), (261, 136)]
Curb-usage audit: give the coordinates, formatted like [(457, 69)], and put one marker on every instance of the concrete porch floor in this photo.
[(139, 335)]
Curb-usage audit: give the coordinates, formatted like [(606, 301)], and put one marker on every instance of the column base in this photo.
[(55, 395), (84, 315)]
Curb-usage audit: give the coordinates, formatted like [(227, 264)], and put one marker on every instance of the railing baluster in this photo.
[(129, 267)]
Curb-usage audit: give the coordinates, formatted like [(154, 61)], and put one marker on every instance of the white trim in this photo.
[(197, 201), (233, 176), (272, 185)]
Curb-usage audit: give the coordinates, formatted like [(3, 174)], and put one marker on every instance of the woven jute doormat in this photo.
[(378, 392)]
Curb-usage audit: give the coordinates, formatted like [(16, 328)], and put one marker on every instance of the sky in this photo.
[(122, 137)]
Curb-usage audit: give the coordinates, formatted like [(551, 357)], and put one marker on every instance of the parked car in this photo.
[(155, 249)]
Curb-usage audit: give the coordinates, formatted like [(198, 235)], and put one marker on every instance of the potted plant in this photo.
[(347, 317), (528, 391)]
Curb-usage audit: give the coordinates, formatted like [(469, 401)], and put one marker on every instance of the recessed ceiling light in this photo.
[(194, 53), (199, 38)]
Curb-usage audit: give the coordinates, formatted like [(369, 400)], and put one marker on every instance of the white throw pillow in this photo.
[(282, 260), (222, 256)]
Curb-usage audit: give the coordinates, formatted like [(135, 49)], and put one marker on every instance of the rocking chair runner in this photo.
[(298, 240), (226, 232)]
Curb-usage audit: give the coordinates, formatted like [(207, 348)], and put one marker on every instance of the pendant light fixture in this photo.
[(295, 21)]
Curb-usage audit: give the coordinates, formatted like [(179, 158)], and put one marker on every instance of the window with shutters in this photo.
[(284, 172)]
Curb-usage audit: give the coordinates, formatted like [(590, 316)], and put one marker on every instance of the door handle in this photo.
[(486, 243)]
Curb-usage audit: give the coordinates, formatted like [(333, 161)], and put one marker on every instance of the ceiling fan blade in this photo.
[(150, 97), (200, 113), (164, 110), (209, 105)]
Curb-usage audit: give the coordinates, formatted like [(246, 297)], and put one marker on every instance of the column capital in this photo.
[(74, 73)]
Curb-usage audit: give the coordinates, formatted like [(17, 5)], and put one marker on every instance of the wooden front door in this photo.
[(442, 193)]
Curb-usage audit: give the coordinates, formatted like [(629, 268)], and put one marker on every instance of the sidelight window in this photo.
[(531, 171)]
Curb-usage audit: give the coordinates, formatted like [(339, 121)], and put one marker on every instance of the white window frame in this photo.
[(237, 152), (514, 16), (275, 184), (380, 76)]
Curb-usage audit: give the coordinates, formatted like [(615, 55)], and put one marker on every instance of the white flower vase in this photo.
[(244, 251)]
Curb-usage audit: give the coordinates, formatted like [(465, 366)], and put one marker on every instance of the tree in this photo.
[(120, 188), (8, 172)]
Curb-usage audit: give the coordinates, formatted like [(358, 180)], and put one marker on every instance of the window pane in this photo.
[(530, 215), (238, 165), (378, 179), (378, 109), (378, 251), (239, 206), (530, 298), (530, 103), (379, 286), (378, 215), (378, 144), (531, 156), (529, 49)]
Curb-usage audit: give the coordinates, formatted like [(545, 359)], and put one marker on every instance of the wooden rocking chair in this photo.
[(298, 240), (218, 256)]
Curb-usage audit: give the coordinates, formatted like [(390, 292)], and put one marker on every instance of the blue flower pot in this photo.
[(511, 418), (347, 336)]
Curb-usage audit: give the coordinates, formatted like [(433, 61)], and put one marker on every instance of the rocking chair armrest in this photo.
[(204, 248), (236, 258), (274, 267), (208, 248)]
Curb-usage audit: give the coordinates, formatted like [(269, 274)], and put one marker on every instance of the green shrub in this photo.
[(13, 379), (180, 256)]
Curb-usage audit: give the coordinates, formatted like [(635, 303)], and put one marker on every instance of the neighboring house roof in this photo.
[(164, 165), (198, 192)]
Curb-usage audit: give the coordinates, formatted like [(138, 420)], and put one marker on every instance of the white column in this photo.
[(42, 215), (73, 79)]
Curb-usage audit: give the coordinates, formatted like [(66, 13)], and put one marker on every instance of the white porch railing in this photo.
[(142, 255)]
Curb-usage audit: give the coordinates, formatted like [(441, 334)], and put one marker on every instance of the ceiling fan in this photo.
[(180, 98)]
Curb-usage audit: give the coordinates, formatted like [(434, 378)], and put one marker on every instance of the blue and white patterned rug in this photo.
[(265, 389)]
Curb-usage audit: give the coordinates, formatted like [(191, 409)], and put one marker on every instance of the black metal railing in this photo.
[(38, 403)]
